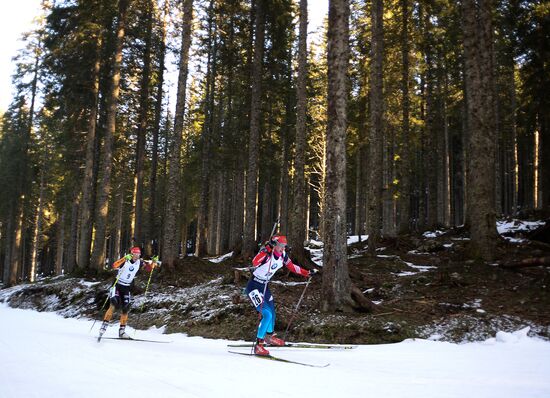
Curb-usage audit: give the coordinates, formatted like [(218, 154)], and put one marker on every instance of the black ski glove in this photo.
[(313, 272)]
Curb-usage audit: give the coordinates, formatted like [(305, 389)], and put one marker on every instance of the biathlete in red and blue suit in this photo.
[(270, 258)]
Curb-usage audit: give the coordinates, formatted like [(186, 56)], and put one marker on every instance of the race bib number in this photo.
[(256, 297)]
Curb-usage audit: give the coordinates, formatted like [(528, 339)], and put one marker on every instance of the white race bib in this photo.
[(256, 297)]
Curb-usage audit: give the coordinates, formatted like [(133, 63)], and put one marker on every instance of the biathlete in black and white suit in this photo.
[(120, 296), (270, 259)]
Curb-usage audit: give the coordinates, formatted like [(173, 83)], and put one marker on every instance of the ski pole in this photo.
[(274, 228), (107, 299), (145, 294), (296, 309)]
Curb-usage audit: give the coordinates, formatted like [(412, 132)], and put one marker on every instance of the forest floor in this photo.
[(422, 286)]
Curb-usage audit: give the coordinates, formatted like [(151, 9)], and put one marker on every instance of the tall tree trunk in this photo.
[(37, 232), (544, 145), (267, 200), (16, 254), (117, 251), (249, 238), (142, 128), (8, 246), (60, 244), (237, 218), (88, 186), (152, 232), (480, 197), (171, 235), (405, 164), (221, 224), (203, 232), (104, 189), (297, 233), (431, 127), (376, 133), (336, 295), (445, 183), (211, 226), (16, 257), (70, 263)]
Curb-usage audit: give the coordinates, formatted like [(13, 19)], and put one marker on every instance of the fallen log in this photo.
[(527, 262)]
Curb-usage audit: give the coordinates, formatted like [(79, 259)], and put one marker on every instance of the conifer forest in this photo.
[(191, 127)]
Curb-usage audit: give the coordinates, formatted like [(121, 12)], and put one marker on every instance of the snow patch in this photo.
[(433, 234), (220, 258)]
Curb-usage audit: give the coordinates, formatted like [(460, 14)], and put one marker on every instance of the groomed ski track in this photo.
[(45, 355)]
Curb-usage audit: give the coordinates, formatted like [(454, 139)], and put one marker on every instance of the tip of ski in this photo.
[(273, 358)]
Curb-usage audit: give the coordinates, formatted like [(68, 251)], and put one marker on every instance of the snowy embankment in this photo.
[(44, 355)]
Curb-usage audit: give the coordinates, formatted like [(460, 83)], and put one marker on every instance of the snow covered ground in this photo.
[(44, 355)]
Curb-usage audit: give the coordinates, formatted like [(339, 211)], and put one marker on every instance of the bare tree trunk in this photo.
[(405, 165), (204, 233), (480, 197), (237, 218), (336, 294), (142, 128), (8, 246), (220, 201), (16, 257), (37, 232), (171, 235), (104, 189), (297, 233), (86, 202), (70, 263), (60, 244), (284, 210), (249, 238), (117, 233), (16, 249), (431, 128), (211, 227), (376, 141), (444, 197), (544, 173), (152, 224)]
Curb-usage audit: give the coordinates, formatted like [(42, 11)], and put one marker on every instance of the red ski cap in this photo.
[(135, 250)]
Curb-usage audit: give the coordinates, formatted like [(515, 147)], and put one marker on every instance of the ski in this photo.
[(300, 345), (132, 339), (272, 358)]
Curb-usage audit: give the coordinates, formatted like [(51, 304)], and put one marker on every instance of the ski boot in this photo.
[(122, 333), (259, 348), (102, 330), (271, 339)]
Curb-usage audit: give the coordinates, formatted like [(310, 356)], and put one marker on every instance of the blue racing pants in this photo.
[(266, 306)]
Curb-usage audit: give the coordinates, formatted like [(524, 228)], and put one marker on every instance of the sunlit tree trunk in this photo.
[(104, 188), (37, 232), (142, 128), (336, 294), (297, 233), (60, 243), (152, 231), (478, 48), (86, 202), (405, 163), (249, 238), (171, 235), (375, 158)]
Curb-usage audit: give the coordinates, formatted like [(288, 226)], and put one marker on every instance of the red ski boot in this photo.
[(271, 339), (259, 348)]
